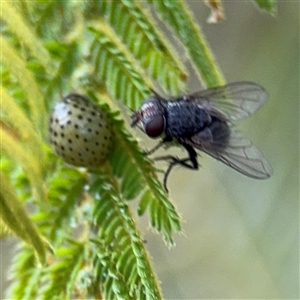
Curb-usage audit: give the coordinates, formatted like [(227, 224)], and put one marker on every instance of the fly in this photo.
[(205, 121)]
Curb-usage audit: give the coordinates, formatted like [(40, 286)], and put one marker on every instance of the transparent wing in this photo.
[(237, 152), (234, 101)]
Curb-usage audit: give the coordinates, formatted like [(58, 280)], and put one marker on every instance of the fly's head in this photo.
[(151, 115)]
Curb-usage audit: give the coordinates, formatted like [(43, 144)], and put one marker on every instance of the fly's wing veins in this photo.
[(238, 153), (234, 101)]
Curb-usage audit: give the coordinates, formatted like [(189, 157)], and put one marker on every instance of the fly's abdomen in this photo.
[(215, 137), (220, 134), (184, 119)]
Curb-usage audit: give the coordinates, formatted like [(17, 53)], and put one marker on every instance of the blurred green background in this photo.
[(241, 236)]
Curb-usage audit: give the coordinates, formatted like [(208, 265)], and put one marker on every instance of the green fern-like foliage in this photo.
[(80, 239)]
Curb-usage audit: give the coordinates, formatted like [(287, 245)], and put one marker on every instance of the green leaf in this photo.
[(4, 230), (267, 5), (26, 35), (117, 215), (136, 28), (59, 280), (180, 19), (16, 65), (114, 64), (73, 194), (30, 163), (111, 281), (28, 274), (16, 218), (137, 172), (144, 203), (18, 120)]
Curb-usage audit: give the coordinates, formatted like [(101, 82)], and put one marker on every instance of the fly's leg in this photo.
[(154, 149), (189, 162), (175, 161), (192, 156)]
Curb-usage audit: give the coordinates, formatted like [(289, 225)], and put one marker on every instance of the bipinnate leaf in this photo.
[(17, 219), (180, 19), (117, 230)]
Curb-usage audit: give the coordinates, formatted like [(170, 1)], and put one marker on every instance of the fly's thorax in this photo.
[(152, 117), (185, 118)]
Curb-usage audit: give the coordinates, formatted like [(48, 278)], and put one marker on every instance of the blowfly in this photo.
[(205, 121)]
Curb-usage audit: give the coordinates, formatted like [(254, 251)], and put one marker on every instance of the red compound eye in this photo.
[(155, 126)]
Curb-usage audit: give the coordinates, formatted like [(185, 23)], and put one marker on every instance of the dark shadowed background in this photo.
[(241, 236)]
